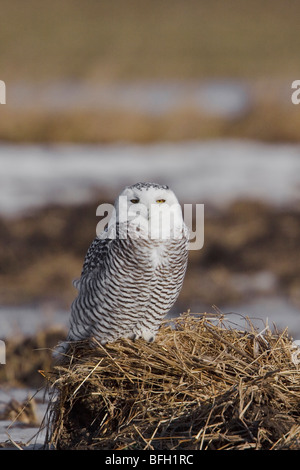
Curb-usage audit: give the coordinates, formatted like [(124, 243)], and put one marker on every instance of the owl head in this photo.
[(150, 210)]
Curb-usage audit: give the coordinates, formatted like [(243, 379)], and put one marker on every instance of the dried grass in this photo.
[(200, 385), (26, 356), (23, 412)]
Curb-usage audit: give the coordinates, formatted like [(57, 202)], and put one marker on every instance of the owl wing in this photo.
[(98, 251), (94, 258), (95, 255)]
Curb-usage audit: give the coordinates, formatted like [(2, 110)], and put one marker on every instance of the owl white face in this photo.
[(152, 208)]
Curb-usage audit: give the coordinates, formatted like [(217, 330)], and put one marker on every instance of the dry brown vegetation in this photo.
[(271, 121), (107, 126), (24, 412), (200, 385), (28, 356)]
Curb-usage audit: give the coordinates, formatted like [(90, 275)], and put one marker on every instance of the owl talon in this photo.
[(148, 336), (132, 337)]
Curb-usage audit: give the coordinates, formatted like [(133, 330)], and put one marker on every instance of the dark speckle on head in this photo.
[(146, 186)]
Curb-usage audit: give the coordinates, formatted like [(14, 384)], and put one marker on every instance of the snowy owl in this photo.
[(134, 270)]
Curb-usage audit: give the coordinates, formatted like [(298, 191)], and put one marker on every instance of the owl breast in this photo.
[(130, 291), (157, 255)]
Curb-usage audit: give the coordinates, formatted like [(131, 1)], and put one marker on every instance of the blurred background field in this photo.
[(194, 94), (144, 71), (137, 39)]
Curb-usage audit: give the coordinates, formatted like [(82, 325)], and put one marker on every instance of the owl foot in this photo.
[(148, 336)]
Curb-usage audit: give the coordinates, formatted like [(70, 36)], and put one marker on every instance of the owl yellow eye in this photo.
[(134, 201), (160, 201)]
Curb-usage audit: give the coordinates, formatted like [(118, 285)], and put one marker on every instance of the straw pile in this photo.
[(200, 385)]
